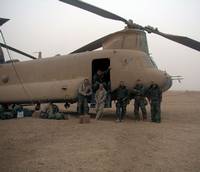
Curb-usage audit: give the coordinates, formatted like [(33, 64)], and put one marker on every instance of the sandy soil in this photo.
[(38, 145)]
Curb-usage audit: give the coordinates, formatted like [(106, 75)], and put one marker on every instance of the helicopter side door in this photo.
[(101, 74)]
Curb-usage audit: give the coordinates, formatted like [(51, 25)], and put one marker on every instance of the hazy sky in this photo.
[(54, 27)]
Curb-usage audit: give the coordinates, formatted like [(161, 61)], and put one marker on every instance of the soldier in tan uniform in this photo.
[(84, 92), (100, 98)]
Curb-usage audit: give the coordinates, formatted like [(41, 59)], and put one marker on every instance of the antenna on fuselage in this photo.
[(39, 54)]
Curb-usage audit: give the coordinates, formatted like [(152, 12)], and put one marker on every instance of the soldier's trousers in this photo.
[(82, 105), (137, 107), (155, 111), (99, 110), (120, 110)]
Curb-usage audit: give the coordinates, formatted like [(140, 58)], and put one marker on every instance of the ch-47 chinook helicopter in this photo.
[(57, 79)]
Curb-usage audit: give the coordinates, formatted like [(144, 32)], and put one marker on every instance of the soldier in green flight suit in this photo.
[(140, 101), (155, 97), (122, 101)]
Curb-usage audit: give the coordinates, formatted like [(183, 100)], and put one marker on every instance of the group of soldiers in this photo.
[(139, 93)]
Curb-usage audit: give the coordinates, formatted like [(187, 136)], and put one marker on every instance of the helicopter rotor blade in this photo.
[(91, 46), (101, 12), (191, 43), (3, 20), (95, 10), (17, 51)]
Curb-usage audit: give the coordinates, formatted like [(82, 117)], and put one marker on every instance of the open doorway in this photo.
[(101, 74)]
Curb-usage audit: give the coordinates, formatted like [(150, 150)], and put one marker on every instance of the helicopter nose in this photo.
[(167, 82)]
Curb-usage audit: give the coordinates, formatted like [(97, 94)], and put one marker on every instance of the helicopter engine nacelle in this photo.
[(132, 39)]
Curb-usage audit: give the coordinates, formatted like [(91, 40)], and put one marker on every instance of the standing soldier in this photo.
[(122, 100), (100, 98), (84, 92), (140, 101), (155, 98)]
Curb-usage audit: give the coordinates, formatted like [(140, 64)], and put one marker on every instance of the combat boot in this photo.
[(144, 118), (137, 118)]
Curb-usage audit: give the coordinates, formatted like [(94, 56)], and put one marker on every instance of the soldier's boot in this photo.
[(144, 113), (152, 116), (86, 118), (157, 119), (123, 113), (118, 111), (81, 119), (136, 112), (144, 116), (98, 115), (122, 116), (137, 117)]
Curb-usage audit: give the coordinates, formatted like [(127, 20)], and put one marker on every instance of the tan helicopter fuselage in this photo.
[(57, 78)]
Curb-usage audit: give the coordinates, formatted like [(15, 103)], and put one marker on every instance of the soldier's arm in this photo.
[(146, 91), (160, 94), (128, 97), (96, 95), (89, 92), (127, 93), (106, 71), (104, 96), (94, 77), (80, 91), (114, 94), (147, 94), (143, 91), (135, 91), (115, 91)]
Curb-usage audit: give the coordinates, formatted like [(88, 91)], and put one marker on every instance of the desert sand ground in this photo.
[(38, 145)]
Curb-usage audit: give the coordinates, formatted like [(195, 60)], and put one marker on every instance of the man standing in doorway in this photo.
[(100, 78)]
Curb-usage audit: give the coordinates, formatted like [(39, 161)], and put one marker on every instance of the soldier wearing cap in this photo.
[(100, 98), (140, 101), (101, 78), (84, 92), (122, 101), (155, 97)]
